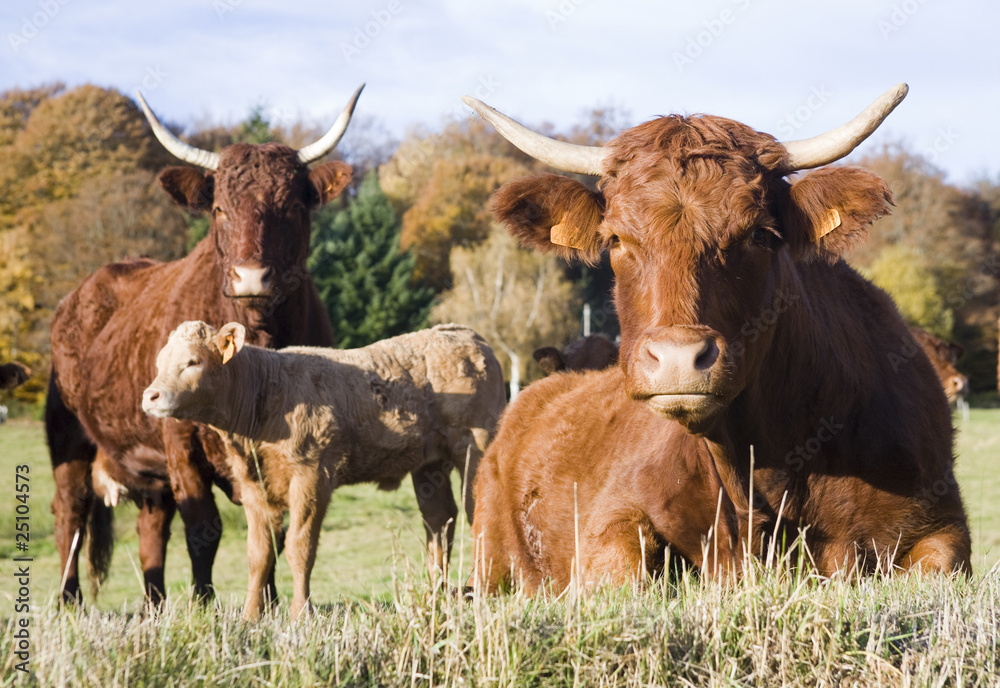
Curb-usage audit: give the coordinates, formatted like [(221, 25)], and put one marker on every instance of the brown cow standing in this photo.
[(593, 352), (250, 268), (943, 356), (741, 323)]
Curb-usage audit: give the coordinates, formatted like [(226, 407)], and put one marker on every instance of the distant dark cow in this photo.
[(741, 323), (251, 268), (302, 421), (593, 352), (13, 374), (943, 356)]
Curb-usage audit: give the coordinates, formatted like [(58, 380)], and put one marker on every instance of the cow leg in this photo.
[(263, 525), (467, 460), (191, 483), (307, 504), (948, 550), (432, 486), (626, 549), (153, 526), (72, 455)]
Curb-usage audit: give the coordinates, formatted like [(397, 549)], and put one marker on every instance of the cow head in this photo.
[(192, 381), (260, 198), (703, 229), (13, 374)]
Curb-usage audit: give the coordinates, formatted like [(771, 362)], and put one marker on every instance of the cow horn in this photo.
[(837, 143), (315, 151), (195, 156), (568, 157)]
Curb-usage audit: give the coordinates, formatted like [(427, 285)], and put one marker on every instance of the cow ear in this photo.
[(553, 214), (956, 351), (549, 359), (829, 210), (329, 179), (189, 187), (230, 340)]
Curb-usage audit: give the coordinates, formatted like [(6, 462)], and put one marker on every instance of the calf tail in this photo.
[(101, 543)]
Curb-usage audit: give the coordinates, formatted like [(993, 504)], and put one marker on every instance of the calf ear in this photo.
[(230, 340), (829, 210), (329, 179), (549, 359), (956, 351), (553, 214), (190, 188)]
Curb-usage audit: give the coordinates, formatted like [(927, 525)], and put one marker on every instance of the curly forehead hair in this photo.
[(271, 166), (193, 331)]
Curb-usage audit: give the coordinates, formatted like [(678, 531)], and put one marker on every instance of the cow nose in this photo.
[(680, 366), (250, 281)]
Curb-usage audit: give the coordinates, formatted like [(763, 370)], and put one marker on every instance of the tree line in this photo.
[(412, 242)]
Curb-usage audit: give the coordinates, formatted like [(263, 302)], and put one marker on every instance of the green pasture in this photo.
[(379, 623)]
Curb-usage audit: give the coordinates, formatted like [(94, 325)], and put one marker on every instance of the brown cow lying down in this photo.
[(943, 356), (13, 374), (638, 484), (593, 352), (741, 323), (301, 421)]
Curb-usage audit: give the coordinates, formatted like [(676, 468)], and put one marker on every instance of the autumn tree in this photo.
[(363, 277), (516, 298)]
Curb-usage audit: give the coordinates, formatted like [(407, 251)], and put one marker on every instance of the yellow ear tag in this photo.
[(565, 234), (832, 221), (229, 351)]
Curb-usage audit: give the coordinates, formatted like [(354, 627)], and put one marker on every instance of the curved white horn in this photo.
[(568, 157), (315, 151), (195, 156), (837, 143)]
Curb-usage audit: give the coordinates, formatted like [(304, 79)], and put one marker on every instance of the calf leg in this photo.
[(263, 525), (191, 483), (468, 464), (307, 504), (72, 455), (153, 526), (432, 486), (623, 550)]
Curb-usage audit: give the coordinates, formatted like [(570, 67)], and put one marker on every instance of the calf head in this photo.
[(260, 198), (192, 380), (703, 229)]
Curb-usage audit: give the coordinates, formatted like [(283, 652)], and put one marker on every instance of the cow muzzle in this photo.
[(680, 373), (251, 281), (157, 403)]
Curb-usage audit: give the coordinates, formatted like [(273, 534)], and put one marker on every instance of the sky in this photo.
[(791, 69)]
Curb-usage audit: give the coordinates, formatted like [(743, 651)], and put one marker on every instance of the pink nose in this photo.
[(250, 281), (680, 363)]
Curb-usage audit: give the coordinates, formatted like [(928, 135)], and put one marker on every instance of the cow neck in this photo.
[(250, 374)]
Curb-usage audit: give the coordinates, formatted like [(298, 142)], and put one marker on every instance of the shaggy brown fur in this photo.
[(105, 335), (741, 323), (13, 374), (300, 422), (593, 352), (943, 356)]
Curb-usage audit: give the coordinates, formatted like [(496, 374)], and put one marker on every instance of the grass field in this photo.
[(379, 623)]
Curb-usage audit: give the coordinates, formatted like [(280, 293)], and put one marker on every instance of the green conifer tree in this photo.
[(362, 276)]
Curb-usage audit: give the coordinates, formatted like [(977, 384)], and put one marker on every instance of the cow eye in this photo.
[(765, 237), (192, 363)]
